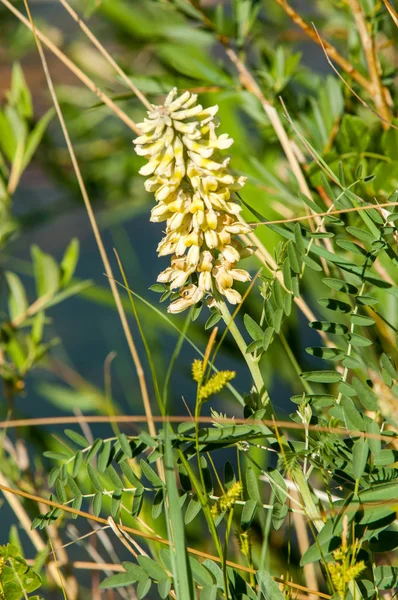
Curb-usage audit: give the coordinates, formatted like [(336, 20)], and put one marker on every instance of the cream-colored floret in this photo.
[(194, 193)]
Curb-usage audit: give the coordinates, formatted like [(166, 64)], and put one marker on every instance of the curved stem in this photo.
[(251, 363)]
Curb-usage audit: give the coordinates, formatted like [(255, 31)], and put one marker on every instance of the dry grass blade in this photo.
[(378, 92), (386, 121), (327, 214), (152, 538), (105, 53), (329, 48), (97, 235), (392, 11), (73, 68), (132, 419)]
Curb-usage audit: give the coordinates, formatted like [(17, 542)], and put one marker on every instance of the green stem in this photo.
[(297, 475), (144, 340), (308, 503), (204, 502), (251, 363), (200, 486), (173, 359), (266, 532), (366, 154), (225, 553)]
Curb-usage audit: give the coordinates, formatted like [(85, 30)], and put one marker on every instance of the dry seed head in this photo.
[(194, 192)]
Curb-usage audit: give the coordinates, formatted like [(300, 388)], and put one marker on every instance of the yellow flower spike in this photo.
[(193, 186), (197, 370), (227, 501), (244, 543), (215, 384), (345, 569)]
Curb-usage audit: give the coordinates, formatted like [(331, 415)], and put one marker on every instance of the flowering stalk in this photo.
[(250, 361), (194, 193)]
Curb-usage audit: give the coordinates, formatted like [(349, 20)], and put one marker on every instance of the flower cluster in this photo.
[(227, 501), (215, 383), (194, 193), (197, 370), (344, 570)]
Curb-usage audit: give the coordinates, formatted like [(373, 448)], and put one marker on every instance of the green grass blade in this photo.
[(180, 562)]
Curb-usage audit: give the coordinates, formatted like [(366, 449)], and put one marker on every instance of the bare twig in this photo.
[(386, 122), (97, 235), (331, 50), (378, 92), (392, 11), (72, 67), (33, 535), (106, 54)]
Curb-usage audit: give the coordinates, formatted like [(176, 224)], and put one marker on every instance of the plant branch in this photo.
[(251, 363)]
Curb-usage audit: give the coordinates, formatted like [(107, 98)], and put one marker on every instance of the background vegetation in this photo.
[(297, 497)]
